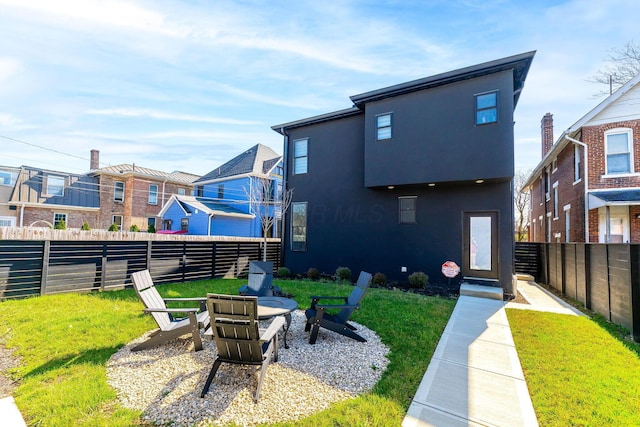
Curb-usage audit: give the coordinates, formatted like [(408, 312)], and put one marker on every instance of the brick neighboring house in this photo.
[(46, 197), (8, 176), (130, 194), (597, 195)]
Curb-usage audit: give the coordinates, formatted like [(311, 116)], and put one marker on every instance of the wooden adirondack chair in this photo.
[(317, 315), (238, 338), (260, 281), (168, 327)]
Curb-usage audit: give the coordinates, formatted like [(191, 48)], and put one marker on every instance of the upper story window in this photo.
[(220, 191), (55, 185), (407, 208), (8, 178), (577, 163), (182, 191), (198, 191), (486, 108), (619, 153), (547, 183), (554, 165), (153, 194), (118, 191), (383, 126), (300, 158)]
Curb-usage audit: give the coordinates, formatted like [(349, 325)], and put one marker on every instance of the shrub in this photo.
[(343, 273), (85, 226), (114, 227), (418, 279), (60, 225), (313, 273), (379, 279), (151, 228), (134, 228), (284, 272)]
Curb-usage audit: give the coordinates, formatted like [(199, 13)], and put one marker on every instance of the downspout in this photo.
[(163, 184), (22, 215), (285, 167), (586, 184), (209, 224)]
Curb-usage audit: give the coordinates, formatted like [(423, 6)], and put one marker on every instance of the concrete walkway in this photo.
[(9, 413), (475, 377)]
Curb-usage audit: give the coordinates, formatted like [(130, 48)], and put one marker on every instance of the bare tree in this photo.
[(521, 202), (622, 65), (269, 203)]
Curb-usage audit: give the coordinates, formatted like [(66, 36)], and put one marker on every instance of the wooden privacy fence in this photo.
[(39, 267), (604, 277)]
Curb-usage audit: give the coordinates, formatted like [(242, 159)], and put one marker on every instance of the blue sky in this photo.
[(186, 85)]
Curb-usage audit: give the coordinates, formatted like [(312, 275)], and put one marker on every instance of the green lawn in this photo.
[(65, 341), (578, 373)]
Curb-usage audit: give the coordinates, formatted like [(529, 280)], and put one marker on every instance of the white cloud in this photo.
[(8, 68), (160, 115)]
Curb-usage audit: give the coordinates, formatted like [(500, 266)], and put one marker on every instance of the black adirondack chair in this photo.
[(317, 315), (260, 281), (238, 338), (168, 327)]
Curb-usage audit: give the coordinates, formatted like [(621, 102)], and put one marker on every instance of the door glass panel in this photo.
[(480, 243)]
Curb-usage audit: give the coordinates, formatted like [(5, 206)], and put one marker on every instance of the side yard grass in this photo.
[(578, 370), (65, 341)]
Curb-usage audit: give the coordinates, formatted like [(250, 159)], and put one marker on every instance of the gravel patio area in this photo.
[(165, 382)]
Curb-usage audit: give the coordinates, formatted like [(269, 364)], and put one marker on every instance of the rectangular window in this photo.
[(55, 185), (554, 165), (118, 191), (577, 163), (300, 159), (181, 191), (117, 220), (220, 191), (8, 178), (487, 108), (153, 194), (184, 224), (383, 126), (151, 221), (199, 191), (556, 202), (619, 154), (58, 218), (407, 208), (480, 243), (567, 223), (7, 221), (299, 227), (547, 184)]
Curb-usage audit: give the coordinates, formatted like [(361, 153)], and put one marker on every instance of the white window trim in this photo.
[(554, 165), (547, 177), (617, 131), (65, 219), (556, 202), (10, 219), (58, 177), (157, 193), (123, 191), (577, 163)]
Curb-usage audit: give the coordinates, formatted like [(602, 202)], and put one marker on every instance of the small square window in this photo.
[(383, 126), (487, 108), (181, 191), (59, 218)]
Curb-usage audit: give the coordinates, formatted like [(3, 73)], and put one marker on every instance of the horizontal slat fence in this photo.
[(34, 267), (604, 277)]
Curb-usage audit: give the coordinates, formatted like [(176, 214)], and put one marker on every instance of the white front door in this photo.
[(618, 224)]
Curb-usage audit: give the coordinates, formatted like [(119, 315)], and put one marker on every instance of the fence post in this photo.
[(103, 267), (634, 257), (149, 252), (45, 267), (214, 250)]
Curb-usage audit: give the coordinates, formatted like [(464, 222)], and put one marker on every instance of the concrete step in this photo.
[(481, 291), (525, 277)]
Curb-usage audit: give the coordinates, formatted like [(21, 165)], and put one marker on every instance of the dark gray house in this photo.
[(411, 176)]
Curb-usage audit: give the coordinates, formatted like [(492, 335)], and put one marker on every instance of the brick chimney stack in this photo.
[(546, 126), (95, 160)]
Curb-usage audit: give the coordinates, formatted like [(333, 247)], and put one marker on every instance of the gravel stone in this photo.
[(165, 382)]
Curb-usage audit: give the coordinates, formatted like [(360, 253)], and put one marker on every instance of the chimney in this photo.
[(547, 133), (95, 160)]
